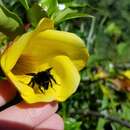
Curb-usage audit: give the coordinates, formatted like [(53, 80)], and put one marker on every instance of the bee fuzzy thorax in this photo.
[(42, 79)]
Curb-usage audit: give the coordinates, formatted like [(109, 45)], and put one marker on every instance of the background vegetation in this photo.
[(102, 101)]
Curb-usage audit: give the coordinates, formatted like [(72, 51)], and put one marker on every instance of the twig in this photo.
[(108, 117)]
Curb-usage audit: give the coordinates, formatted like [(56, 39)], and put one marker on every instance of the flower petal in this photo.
[(13, 52), (44, 24), (39, 50), (68, 77), (27, 93), (50, 43), (65, 74)]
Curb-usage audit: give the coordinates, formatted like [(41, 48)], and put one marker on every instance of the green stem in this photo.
[(90, 35)]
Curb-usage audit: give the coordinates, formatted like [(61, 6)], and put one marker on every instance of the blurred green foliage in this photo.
[(108, 41), (104, 25)]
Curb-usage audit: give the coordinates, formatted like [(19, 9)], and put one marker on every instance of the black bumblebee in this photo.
[(42, 79)]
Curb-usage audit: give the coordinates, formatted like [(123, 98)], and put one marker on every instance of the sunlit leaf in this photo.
[(25, 3), (49, 5), (112, 28), (68, 14)]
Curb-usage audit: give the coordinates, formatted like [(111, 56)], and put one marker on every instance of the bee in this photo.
[(43, 79)]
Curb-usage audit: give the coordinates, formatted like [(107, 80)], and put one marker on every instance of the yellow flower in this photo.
[(63, 54)]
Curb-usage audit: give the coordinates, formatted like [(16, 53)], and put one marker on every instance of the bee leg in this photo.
[(40, 88), (53, 79), (51, 83), (32, 83)]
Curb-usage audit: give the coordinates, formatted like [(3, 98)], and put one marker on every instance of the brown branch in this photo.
[(108, 117)]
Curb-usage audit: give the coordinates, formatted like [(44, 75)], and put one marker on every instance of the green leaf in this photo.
[(67, 14), (25, 3), (104, 48), (123, 52), (100, 125), (1, 2), (125, 111), (121, 47), (35, 13), (50, 5), (10, 23), (2, 36), (64, 1), (112, 28), (72, 124), (93, 59)]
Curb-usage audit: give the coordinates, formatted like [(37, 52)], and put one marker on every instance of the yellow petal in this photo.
[(13, 57), (34, 51), (27, 93), (20, 85), (13, 52), (65, 74), (68, 77), (44, 24), (49, 43)]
